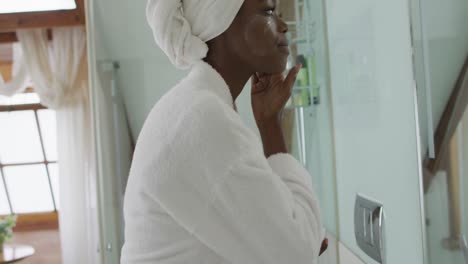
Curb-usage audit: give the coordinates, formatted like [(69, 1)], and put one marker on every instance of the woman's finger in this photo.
[(288, 83), (254, 79), (261, 74), (257, 85), (324, 246), (277, 77), (291, 78)]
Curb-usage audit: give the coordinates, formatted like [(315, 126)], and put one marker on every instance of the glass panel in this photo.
[(374, 128), (4, 208), (308, 119), (444, 205), (19, 138), (29, 189), (440, 39), (463, 197), (19, 99), (47, 122), (34, 5), (54, 177)]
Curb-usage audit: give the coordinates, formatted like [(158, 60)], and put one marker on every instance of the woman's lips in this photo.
[(283, 45), (284, 48)]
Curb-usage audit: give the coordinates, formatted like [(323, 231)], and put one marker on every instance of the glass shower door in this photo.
[(446, 206), (307, 117), (440, 43)]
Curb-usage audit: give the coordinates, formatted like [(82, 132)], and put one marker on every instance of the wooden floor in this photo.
[(46, 243)]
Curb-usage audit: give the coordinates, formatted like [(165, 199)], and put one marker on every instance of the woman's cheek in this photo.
[(259, 35)]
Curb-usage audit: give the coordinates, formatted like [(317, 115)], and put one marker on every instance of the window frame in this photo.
[(11, 22), (39, 220)]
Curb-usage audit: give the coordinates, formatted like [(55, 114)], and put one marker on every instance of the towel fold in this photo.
[(182, 28)]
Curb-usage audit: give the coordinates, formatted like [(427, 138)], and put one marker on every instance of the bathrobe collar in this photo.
[(203, 73)]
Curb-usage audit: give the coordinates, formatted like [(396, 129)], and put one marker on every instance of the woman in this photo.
[(203, 188)]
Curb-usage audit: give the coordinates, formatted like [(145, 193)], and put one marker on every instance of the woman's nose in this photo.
[(282, 26)]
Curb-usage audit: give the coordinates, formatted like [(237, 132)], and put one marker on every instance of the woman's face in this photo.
[(257, 36)]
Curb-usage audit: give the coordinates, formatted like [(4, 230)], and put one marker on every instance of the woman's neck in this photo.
[(234, 73)]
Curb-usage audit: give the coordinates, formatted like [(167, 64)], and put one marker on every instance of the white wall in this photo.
[(120, 33), (347, 256), (146, 73), (374, 120)]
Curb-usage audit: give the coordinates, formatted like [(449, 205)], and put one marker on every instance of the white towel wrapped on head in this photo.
[(182, 28)]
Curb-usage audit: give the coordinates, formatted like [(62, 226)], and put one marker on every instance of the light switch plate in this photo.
[(369, 227)]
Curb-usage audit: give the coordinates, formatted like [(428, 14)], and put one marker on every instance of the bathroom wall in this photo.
[(123, 35), (347, 256), (146, 73), (119, 32), (375, 125)]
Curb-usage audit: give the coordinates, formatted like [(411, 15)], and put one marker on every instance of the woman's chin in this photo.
[(279, 67), (271, 65)]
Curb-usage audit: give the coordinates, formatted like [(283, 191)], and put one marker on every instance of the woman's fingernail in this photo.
[(298, 69)]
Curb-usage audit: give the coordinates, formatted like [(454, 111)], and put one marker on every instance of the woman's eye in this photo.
[(270, 12)]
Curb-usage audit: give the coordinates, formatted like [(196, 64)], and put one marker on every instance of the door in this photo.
[(440, 43)]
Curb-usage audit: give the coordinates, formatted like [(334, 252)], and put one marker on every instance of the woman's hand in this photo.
[(324, 246), (270, 92)]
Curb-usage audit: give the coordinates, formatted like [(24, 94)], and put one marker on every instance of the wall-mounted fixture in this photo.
[(369, 227)]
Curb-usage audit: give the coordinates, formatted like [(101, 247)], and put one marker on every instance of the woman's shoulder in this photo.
[(188, 108)]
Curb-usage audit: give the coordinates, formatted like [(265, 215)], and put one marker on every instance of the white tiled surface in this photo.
[(347, 257)]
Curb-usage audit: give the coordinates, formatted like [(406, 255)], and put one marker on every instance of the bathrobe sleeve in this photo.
[(248, 209)]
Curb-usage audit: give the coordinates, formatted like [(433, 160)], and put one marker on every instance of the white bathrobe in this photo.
[(201, 190)]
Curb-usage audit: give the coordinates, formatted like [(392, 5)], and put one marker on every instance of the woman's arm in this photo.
[(269, 95), (272, 138)]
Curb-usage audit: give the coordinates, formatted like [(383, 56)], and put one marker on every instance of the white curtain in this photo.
[(58, 70), (19, 81)]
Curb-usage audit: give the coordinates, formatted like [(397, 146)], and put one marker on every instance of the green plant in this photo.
[(6, 227)]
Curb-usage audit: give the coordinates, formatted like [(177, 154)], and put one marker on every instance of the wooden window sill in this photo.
[(40, 221)]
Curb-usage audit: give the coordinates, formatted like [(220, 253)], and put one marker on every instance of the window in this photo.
[(28, 156), (15, 6)]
